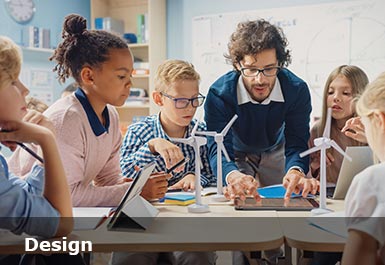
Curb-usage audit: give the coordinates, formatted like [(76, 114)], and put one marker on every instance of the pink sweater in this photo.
[(91, 162)]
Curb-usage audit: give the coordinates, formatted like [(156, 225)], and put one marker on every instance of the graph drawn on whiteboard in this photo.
[(321, 37)]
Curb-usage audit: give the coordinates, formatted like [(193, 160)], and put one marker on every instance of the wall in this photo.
[(181, 12), (49, 14)]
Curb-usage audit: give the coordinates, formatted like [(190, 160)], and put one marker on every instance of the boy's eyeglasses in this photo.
[(252, 71), (182, 103)]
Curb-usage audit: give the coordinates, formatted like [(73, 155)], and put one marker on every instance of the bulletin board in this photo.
[(321, 37)]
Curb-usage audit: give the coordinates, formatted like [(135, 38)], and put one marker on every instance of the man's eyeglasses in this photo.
[(182, 103), (252, 71)]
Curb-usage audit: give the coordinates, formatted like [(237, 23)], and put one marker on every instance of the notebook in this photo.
[(277, 192), (362, 157), (179, 199)]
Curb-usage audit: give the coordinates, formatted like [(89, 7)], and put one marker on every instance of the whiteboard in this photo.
[(321, 37)]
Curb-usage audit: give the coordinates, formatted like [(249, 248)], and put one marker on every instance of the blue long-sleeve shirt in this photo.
[(135, 150), (23, 208), (260, 128)]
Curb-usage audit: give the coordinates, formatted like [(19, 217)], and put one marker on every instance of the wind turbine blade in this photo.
[(206, 133), (228, 126), (339, 149), (309, 151), (195, 128), (328, 123), (225, 152), (182, 140)]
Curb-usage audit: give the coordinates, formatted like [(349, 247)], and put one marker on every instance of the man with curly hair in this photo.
[(273, 107)]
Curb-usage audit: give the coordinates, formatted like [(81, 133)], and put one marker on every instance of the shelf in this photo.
[(38, 50), (138, 45), (153, 52), (140, 76)]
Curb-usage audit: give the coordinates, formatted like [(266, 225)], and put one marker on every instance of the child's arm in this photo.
[(56, 188), (134, 152), (360, 248), (139, 149)]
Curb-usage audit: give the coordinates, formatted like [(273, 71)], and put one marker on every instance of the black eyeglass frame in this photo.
[(188, 100), (242, 69)]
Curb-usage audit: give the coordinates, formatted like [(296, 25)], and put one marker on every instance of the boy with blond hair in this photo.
[(177, 95)]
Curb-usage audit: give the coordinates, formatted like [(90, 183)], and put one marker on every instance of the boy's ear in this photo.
[(87, 75), (157, 98)]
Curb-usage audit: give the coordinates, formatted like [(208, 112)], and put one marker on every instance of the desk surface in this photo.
[(176, 229), (301, 235), (222, 229)]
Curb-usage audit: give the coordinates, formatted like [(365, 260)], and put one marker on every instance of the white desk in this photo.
[(299, 234), (176, 229)]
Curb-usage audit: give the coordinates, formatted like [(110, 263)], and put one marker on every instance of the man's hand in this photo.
[(186, 183), (241, 185), (295, 181), (355, 129)]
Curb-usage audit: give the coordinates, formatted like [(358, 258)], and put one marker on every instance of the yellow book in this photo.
[(179, 199), (176, 202)]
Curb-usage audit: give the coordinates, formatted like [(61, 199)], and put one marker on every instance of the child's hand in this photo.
[(355, 129), (17, 131), (156, 186), (36, 117), (186, 183), (170, 152)]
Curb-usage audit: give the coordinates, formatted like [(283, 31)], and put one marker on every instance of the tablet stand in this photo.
[(136, 214)]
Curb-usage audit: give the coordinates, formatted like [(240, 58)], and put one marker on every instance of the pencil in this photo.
[(32, 153)]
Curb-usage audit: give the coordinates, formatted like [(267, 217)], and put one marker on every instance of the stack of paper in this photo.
[(179, 199)]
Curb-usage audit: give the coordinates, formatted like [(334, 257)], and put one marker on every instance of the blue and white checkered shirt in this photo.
[(135, 150)]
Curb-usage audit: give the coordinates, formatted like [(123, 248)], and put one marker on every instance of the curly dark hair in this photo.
[(252, 37), (81, 47)]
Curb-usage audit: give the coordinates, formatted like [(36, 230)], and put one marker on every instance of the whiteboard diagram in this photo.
[(321, 37)]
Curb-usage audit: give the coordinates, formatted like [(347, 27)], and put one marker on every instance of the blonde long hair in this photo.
[(357, 78), (373, 98)]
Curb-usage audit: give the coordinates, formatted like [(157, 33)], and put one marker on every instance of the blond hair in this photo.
[(174, 70), (373, 98), (10, 61), (358, 81)]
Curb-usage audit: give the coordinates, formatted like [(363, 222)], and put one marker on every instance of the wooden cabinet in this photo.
[(153, 51)]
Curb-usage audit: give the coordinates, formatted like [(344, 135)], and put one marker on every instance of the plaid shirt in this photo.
[(135, 151)]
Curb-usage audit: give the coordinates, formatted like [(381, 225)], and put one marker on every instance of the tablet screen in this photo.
[(296, 204)]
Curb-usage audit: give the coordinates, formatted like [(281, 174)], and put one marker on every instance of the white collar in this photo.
[(244, 96)]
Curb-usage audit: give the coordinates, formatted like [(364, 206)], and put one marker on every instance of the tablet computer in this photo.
[(276, 204), (134, 190)]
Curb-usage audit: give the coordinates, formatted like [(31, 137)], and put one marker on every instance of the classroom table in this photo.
[(174, 229), (222, 229), (301, 235)]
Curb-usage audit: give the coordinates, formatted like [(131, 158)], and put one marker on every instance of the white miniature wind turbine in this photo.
[(196, 142), (218, 138), (323, 143)]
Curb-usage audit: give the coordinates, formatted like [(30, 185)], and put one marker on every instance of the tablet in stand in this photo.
[(133, 211)]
